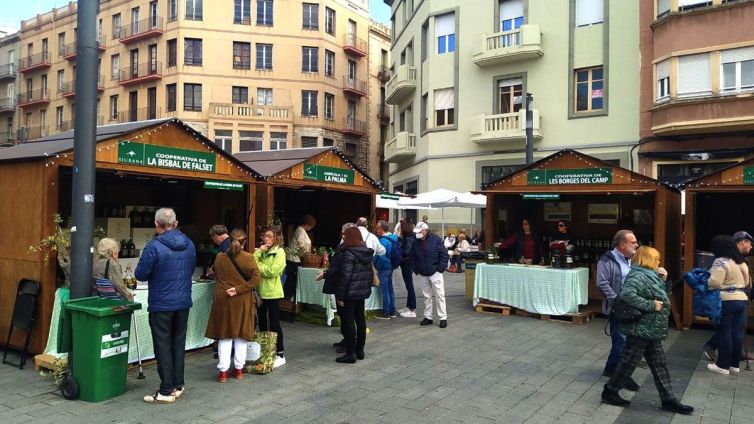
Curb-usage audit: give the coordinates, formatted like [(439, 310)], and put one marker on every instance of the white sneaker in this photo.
[(715, 368), (402, 310), (734, 369), (178, 392), (157, 397), (408, 314), (279, 361)]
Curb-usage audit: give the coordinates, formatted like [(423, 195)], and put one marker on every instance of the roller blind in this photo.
[(737, 55), (663, 6), (510, 82), (444, 99), (588, 12), (511, 9), (683, 3), (663, 69), (693, 74), (445, 24)]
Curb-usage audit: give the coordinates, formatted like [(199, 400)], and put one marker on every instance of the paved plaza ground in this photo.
[(481, 369)]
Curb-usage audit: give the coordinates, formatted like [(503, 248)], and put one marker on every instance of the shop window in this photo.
[(510, 92), (172, 53), (278, 140), (309, 103), (444, 107), (241, 55), (329, 63), (329, 21), (242, 12), (192, 97), (240, 95), (264, 12), (329, 106), (311, 16), (308, 141), (192, 54), (264, 56), (663, 80), (310, 59), (737, 71), (445, 33), (194, 10), (250, 141), (589, 12), (589, 89), (171, 94), (224, 140)]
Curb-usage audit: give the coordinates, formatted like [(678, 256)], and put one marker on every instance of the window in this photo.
[(242, 12), (693, 75), (424, 114), (445, 33), (589, 12), (249, 141), (329, 63), (425, 41), (308, 103), (663, 8), (194, 10), (264, 56), (172, 53), (152, 50), (663, 80), (192, 97), (114, 107), (264, 96), (329, 106), (264, 12), (329, 21), (153, 18), (192, 54), (135, 21), (589, 92), (116, 26), (115, 66), (172, 10), (511, 19), (510, 95), (61, 44), (240, 95), (224, 140), (278, 140), (59, 118), (737, 69), (171, 94), (327, 142), (310, 59), (444, 107), (350, 150), (241, 55), (692, 4), (352, 73), (61, 81), (308, 141), (493, 173), (311, 16)]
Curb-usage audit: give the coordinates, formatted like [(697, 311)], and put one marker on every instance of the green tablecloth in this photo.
[(201, 294), (310, 291), (538, 290)]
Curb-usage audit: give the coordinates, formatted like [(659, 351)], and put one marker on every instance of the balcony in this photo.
[(401, 85), (68, 125), (508, 46), (504, 128), (326, 122), (68, 52), (708, 114), (140, 114), (7, 105), (354, 87), (31, 133), (354, 45), (33, 98), (34, 62), (68, 89), (383, 74), (8, 72), (354, 127), (248, 111), (401, 148), (145, 28), (143, 72)]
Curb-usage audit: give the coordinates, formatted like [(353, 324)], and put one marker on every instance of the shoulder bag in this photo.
[(245, 277), (625, 313)]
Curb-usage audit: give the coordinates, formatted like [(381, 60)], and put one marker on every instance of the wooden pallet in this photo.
[(505, 310), (493, 309)]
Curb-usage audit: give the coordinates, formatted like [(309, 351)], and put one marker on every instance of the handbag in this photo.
[(625, 313), (267, 341), (105, 287), (245, 277)]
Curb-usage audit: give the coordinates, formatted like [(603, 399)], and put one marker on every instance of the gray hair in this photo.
[(106, 247), (165, 217), (620, 237), (346, 226), (362, 222), (383, 224)]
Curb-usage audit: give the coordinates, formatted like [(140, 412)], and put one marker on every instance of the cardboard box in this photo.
[(115, 228)]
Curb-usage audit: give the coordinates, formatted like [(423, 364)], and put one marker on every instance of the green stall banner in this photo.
[(570, 176), (748, 174), (328, 174), (132, 153)]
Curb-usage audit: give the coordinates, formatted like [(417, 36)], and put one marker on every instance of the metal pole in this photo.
[(529, 129), (84, 135)]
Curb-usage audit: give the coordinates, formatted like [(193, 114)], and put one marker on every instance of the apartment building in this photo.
[(8, 58), (379, 112), (250, 74), (697, 86), (461, 70)]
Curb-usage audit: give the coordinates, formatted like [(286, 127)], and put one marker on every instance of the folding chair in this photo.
[(24, 313)]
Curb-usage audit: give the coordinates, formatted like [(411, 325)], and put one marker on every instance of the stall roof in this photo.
[(716, 178), (62, 142), (272, 162)]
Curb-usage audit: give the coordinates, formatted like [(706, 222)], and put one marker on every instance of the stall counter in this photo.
[(309, 291)]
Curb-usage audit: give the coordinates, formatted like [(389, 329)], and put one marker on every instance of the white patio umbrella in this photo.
[(443, 198)]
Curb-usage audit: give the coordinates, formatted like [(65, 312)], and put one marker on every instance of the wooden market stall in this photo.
[(597, 198), (718, 203), (141, 166)]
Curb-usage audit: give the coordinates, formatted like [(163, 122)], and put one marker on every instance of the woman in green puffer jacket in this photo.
[(270, 258), (645, 290)]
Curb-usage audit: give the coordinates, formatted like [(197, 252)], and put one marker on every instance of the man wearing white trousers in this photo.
[(429, 257)]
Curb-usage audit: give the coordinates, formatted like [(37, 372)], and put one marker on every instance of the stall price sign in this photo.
[(328, 174), (223, 185), (748, 174), (570, 176), (165, 157)]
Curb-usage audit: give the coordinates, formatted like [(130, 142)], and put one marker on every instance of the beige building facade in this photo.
[(379, 112), (250, 74), (8, 58)]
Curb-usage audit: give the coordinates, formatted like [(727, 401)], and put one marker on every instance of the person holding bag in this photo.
[(646, 291), (107, 267), (231, 319), (270, 258)]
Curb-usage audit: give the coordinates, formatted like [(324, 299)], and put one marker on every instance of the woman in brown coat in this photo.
[(231, 320)]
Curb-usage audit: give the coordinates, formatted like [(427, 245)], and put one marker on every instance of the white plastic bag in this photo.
[(254, 351)]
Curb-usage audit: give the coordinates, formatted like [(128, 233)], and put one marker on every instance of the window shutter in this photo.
[(511, 9), (682, 3), (663, 69), (663, 6), (693, 74), (444, 99), (445, 24), (510, 82), (737, 55), (588, 12)]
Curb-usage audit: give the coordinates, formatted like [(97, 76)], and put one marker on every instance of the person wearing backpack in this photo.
[(385, 264)]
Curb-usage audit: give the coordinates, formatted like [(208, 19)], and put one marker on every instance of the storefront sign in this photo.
[(603, 213), (223, 185), (328, 174), (748, 174), (165, 157), (570, 176), (540, 196)]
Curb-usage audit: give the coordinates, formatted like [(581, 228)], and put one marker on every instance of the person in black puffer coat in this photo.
[(331, 276), (353, 287)]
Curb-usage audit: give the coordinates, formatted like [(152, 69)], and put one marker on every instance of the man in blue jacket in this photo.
[(167, 264), (385, 269), (429, 258)]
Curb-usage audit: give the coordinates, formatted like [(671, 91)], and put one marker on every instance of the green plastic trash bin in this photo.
[(101, 330)]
